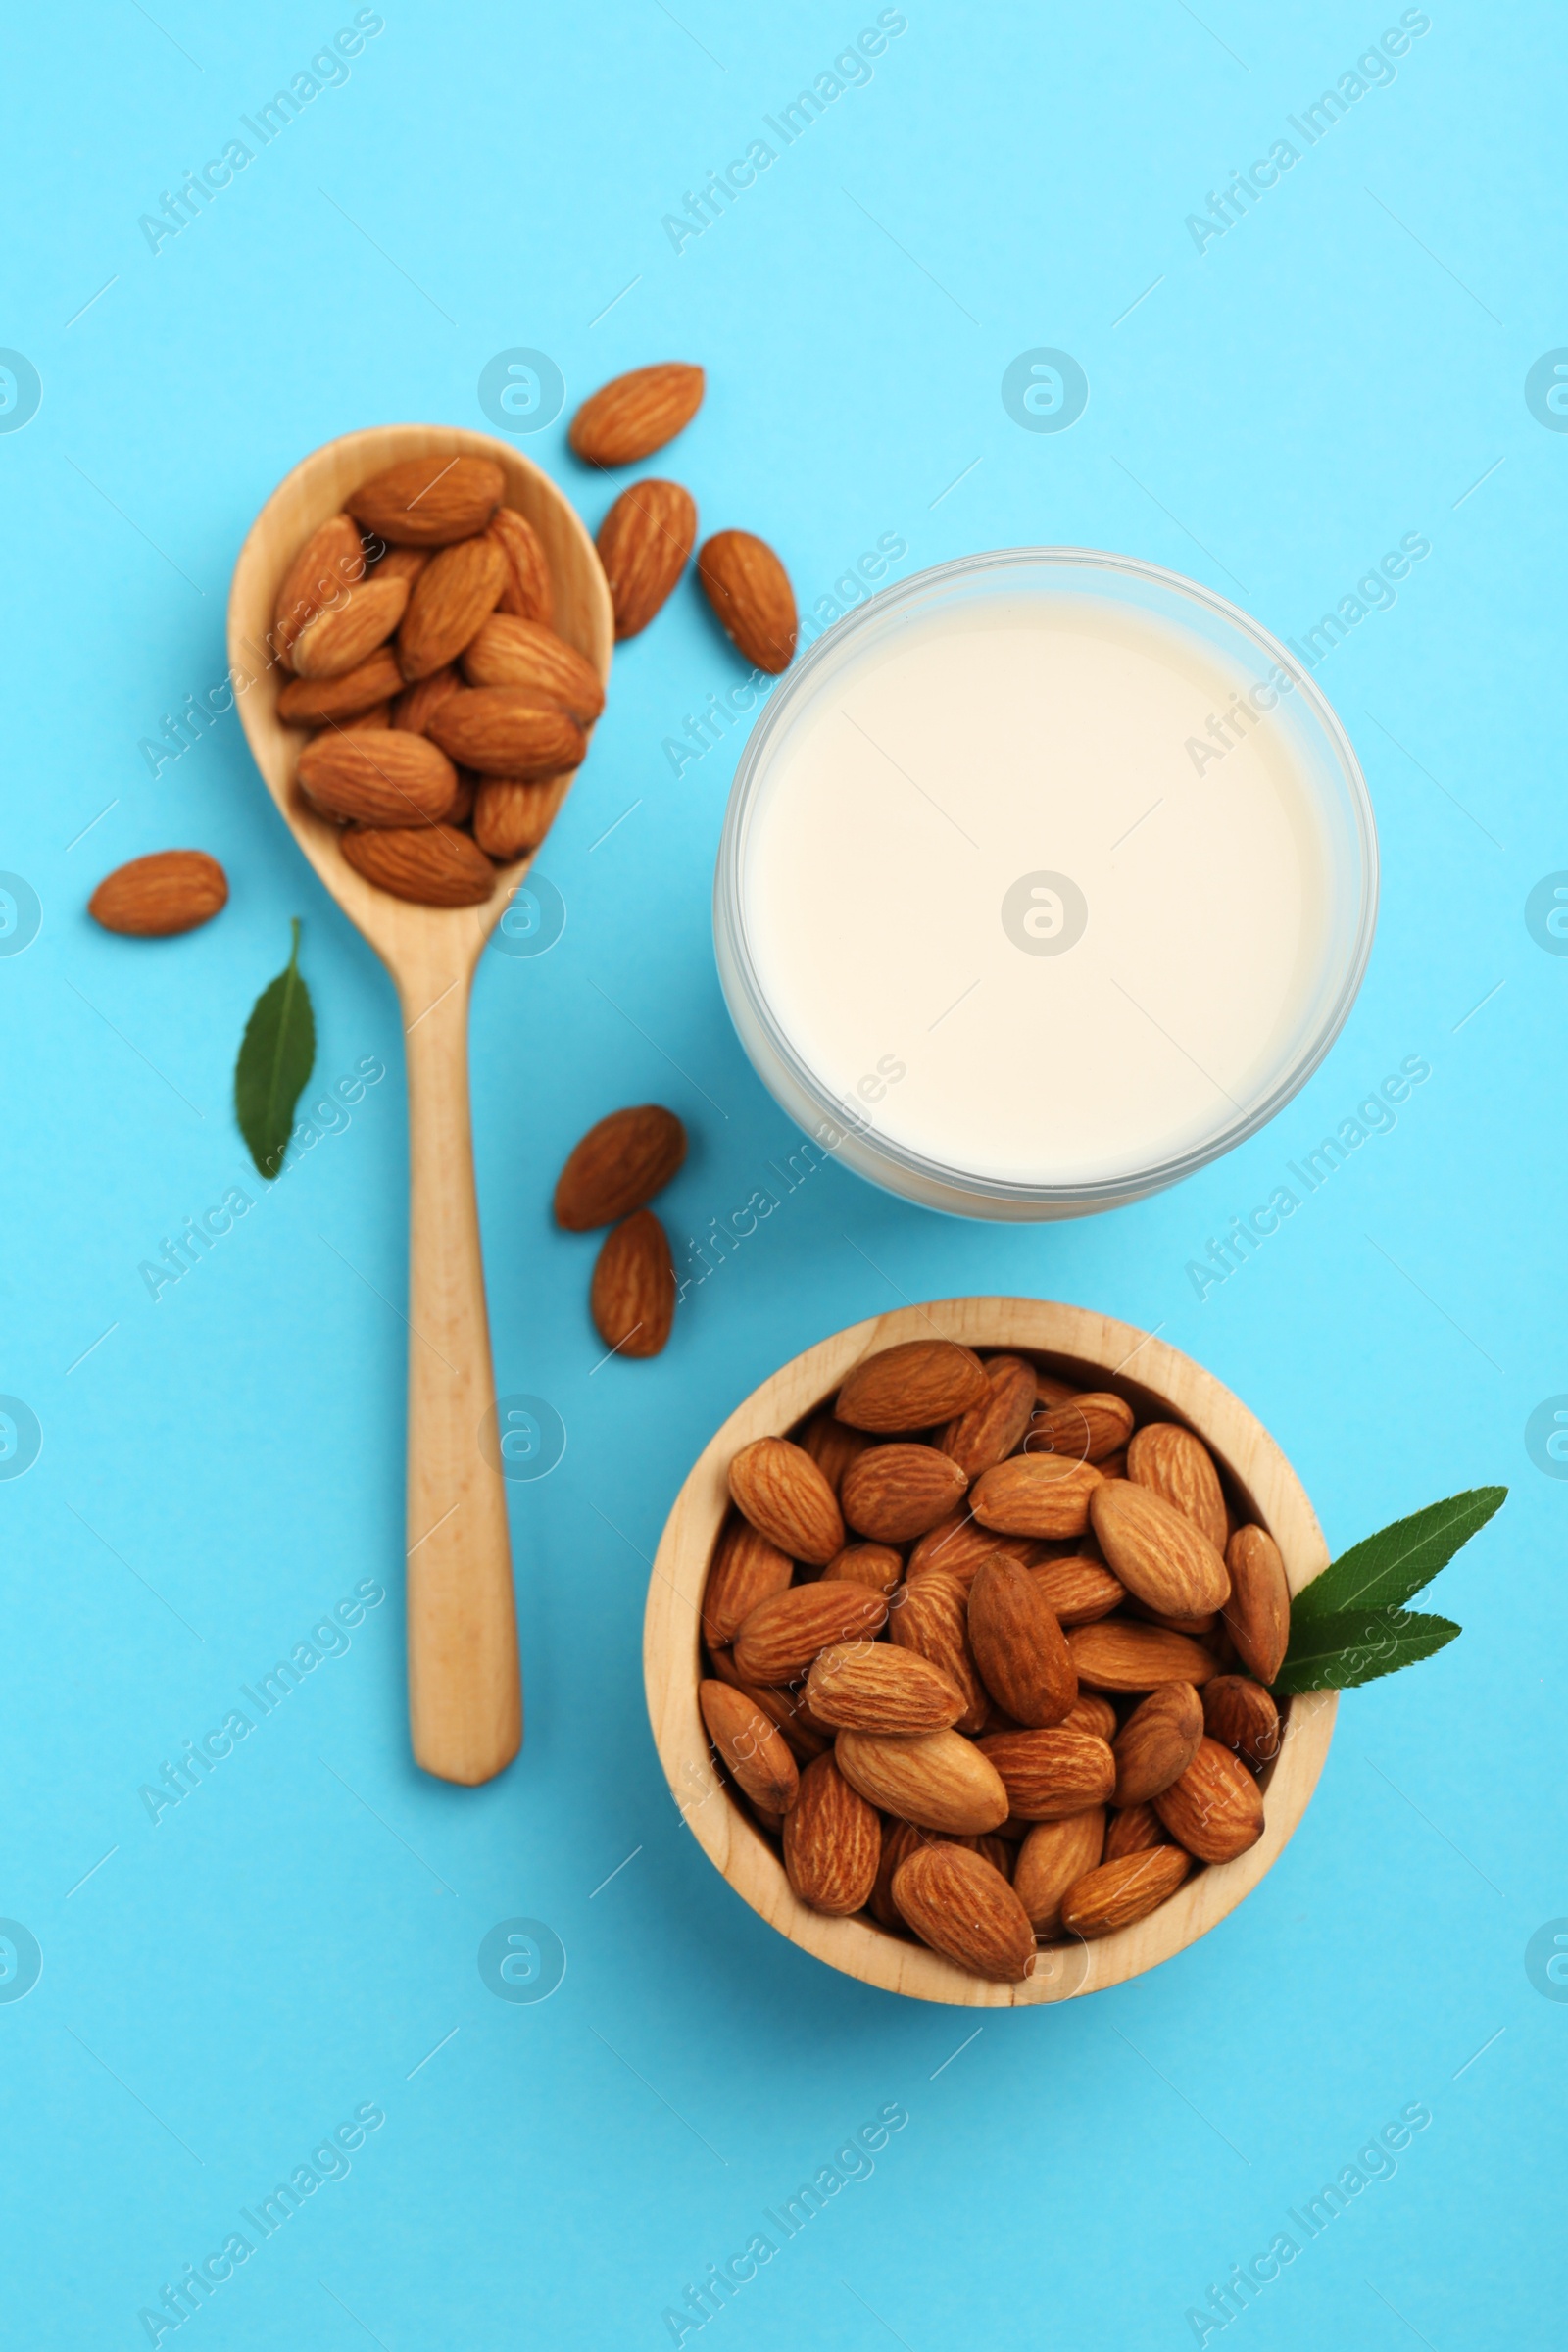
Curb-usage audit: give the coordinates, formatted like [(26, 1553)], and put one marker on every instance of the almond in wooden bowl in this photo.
[(955, 1938)]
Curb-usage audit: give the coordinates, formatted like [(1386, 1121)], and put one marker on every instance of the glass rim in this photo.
[(729, 910)]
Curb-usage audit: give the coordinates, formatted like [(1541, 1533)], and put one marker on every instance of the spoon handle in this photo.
[(465, 1679)]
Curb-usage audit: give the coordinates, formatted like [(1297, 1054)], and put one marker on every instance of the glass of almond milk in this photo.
[(1046, 878)]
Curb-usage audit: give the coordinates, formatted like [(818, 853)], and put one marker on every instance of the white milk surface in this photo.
[(926, 778)]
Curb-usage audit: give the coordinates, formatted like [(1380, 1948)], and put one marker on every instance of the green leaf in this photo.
[(1356, 1646), (1390, 1568), (275, 1059)]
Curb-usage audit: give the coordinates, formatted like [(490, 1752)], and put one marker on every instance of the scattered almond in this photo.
[(644, 543), (633, 415), (633, 1299), (156, 895), (620, 1164), (750, 591)]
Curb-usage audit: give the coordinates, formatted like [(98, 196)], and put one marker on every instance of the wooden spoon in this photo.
[(465, 1684)]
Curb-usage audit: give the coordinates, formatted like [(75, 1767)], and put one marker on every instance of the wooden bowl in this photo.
[(1095, 1353)]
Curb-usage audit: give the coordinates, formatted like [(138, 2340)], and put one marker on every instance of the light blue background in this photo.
[(294, 1939)]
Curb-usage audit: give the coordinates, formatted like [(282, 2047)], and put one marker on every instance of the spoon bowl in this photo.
[(465, 1681)]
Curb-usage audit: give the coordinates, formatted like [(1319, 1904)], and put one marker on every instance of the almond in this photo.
[(379, 715), (382, 778), (781, 1490), (1133, 1830), (620, 1164), (644, 542), (312, 702), (895, 1492), (750, 591), (1050, 1391), (1157, 1742), (435, 865), (508, 650), (1048, 1774), (430, 501), (832, 1447), (872, 1687), (1078, 1590), (1035, 1495), (899, 1838), (1239, 1713), (1174, 1463), (783, 1710), (930, 1617), (1204, 1624), (877, 1566), (747, 1570), (448, 605), (1085, 1429), (1215, 1810), (832, 1841), (781, 1637), (1091, 1713), (958, 1546), (331, 561), (1257, 1614), (1018, 1645), (339, 639), (1124, 1891), (502, 732), (402, 563), (415, 705), (911, 1386), (990, 1429), (1054, 1856), (1116, 1656), (527, 590), (751, 1748), (462, 808), (633, 415), (1113, 1465), (153, 897), (632, 1297), (960, 1905), (512, 816), (1159, 1555), (938, 1780)]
